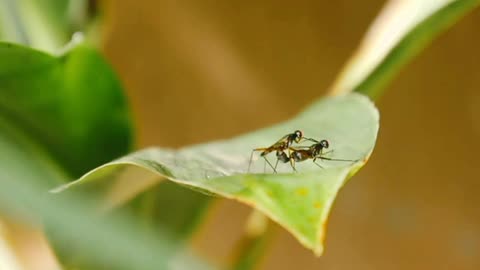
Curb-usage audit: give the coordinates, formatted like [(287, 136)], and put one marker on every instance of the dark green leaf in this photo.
[(73, 104), (109, 243)]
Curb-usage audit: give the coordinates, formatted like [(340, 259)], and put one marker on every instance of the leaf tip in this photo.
[(318, 251)]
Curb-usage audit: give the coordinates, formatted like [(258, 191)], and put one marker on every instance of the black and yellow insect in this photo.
[(314, 152), (283, 144)]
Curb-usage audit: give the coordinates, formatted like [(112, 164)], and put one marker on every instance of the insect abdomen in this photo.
[(300, 155), (282, 156)]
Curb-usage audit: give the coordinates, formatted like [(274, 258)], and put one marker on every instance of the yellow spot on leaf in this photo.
[(302, 191)]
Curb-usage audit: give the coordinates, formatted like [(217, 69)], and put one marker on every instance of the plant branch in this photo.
[(254, 243), (399, 33)]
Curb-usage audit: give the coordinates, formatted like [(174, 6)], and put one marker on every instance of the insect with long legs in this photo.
[(314, 152), (280, 146)]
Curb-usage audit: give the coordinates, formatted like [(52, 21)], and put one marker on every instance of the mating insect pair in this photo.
[(295, 154)]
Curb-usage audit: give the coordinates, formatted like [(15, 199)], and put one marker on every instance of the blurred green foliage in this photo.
[(72, 105), (47, 24), (402, 30), (64, 112)]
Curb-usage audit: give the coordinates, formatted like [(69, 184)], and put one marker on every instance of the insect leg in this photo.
[(328, 152), (337, 159), (323, 154), (270, 164), (317, 164), (292, 161), (251, 157)]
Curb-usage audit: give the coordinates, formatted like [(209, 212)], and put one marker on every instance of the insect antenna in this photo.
[(310, 139)]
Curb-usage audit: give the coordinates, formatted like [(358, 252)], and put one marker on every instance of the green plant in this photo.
[(63, 114)]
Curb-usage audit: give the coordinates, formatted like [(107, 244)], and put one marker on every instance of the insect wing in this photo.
[(281, 144)]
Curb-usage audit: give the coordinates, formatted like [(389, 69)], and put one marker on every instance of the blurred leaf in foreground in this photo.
[(298, 201), (60, 115), (113, 242), (71, 105)]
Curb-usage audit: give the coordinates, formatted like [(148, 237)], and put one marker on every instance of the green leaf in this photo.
[(40, 24), (72, 104), (180, 221), (254, 242), (298, 201), (113, 243), (401, 30), (72, 108), (69, 109)]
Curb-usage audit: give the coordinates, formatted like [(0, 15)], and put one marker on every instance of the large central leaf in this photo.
[(298, 201)]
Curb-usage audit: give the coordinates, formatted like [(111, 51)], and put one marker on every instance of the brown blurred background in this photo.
[(203, 70)]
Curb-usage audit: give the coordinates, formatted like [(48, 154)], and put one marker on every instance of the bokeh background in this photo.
[(227, 67), (202, 70)]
